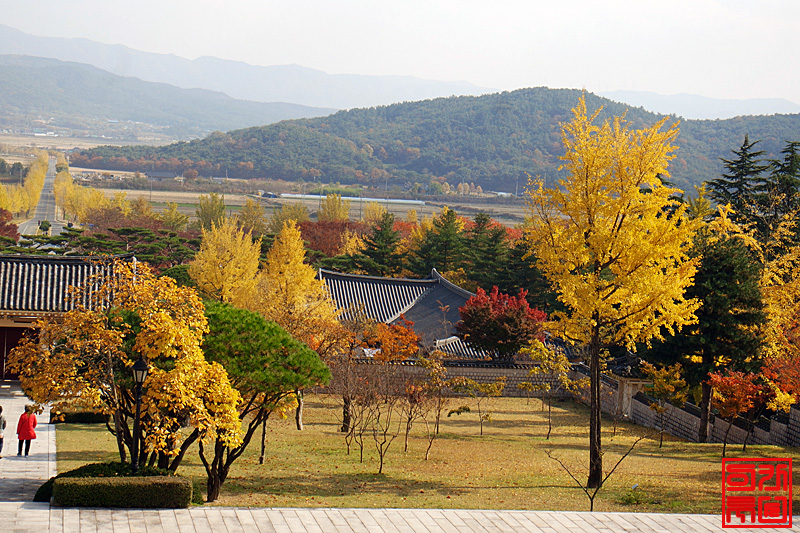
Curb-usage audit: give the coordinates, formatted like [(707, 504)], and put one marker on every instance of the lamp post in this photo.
[(140, 369)]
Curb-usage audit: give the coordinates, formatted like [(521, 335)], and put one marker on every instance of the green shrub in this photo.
[(117, 469), (133, 492), (197, 492)]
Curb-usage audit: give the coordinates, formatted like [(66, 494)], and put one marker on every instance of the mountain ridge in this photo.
[(281, 83), (88, 101), (696, 107)]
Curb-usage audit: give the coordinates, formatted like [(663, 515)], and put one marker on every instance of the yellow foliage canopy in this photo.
[(610, 238), (289, 293), (84, 357), (226, 266)]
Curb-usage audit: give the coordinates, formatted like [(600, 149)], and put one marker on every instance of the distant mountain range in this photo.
[(64, 97), (286, 83), (693, 106), (495, 141)]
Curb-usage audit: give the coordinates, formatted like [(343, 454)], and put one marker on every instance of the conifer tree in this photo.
[(380, 255), (728, 332), (487, 249), (441, 247), (742, 184), (783, 183)]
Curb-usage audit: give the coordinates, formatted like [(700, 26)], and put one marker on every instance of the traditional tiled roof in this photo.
[(381, 299), (38, 285), (431, 303)]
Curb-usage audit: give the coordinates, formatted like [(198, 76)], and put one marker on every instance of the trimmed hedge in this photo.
[(139, 492), (113, 469)]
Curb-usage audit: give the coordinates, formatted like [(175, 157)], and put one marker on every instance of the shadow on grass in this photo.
[(337, 485), (81, 456)]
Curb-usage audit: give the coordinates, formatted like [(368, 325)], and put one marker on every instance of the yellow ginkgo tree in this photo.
[(83, 358), (613, 242), (288, 291), (226, 266)]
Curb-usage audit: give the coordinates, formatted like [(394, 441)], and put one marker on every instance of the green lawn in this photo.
[(506, 468)]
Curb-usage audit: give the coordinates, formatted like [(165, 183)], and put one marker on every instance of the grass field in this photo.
[(506, 468)]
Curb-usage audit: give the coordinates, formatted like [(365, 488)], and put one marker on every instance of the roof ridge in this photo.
[(449, 284), (382, 279)]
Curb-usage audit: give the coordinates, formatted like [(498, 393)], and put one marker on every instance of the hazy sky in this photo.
[(716, 48)]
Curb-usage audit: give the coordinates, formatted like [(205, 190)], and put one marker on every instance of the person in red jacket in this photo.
[(25, 432)]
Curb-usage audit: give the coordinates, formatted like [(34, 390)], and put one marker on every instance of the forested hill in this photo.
[(490, 140)]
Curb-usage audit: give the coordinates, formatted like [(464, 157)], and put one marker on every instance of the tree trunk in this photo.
[(213, 486), (725, 440), (263, 441), (705, 412), (549, 416), (595, 445), (346, 417), (118, 433), (298, 413)]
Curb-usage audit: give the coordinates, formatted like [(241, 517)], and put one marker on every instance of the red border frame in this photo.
[(757, 460)]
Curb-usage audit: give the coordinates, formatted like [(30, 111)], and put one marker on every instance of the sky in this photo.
[(715, 48)]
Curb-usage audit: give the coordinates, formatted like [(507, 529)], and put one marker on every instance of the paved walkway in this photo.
[(21, 477)]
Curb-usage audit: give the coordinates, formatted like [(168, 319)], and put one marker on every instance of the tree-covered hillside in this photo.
[(491, 140)]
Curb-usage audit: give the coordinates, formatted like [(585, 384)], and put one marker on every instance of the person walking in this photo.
[(25, 429), (2, 430)]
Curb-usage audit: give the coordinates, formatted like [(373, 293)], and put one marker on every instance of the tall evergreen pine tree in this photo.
[(728, 332), (743, 183)]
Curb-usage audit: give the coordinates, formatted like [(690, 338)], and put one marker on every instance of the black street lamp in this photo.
[(140, 369)]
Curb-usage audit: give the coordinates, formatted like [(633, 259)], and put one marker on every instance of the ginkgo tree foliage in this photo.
[(613, 242), (288, 291), (226, 266), (83, 358)]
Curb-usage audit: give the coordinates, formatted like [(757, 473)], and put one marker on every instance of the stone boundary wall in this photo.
[(685, 423), (514, 374)]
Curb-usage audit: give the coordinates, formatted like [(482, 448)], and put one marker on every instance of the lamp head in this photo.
[(140, 369)]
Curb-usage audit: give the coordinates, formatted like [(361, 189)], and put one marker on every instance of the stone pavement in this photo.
[(21, 476)]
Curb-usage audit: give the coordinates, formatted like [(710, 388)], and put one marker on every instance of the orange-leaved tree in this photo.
[(613, 242), (395, 342), (83, 358)]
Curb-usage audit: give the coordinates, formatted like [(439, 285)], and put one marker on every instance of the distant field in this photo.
[(62, 143), (510, 215)]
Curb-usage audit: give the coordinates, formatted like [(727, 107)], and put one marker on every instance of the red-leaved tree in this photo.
[(7, 229), (735, 393), (500, 324)]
